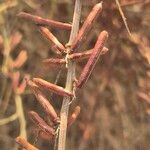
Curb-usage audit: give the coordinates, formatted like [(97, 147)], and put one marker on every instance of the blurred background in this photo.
[(115, 102)]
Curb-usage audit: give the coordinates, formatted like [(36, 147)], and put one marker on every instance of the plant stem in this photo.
[(70, 78), (8, 119), (123, 17), (21, 116)]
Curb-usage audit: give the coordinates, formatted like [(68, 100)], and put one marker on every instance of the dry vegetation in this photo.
[(115, 111)]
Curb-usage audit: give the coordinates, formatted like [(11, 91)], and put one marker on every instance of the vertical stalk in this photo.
[(4, 68), (21, 116), (70, 78), (6, 51)]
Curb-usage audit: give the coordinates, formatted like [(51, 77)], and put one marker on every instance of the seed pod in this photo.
[(31, 84), (48, 108), (47, 22), (93, 59), (39, 122), (86, 27), (52, 39), (74, 116), (15, 40), (25, 144), (52, 87), (20, 60), (75, 57), (85, 54), (54, 48)]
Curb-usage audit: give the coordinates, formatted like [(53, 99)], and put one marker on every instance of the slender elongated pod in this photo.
[(93, 59), (52, 87), (40, 123), (87, 25), (42, 21), (25, 144), (77, 57), (52, 39), (74, 115), (44, 102)]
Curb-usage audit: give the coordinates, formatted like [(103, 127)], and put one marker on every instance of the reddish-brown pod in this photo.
[(52, 87), (15, 39), (39, 122), (74, 116), (51, 38), (87, 25), (20, 60), (85, 54), (74, 57), (25, 144), (93, 59), (47, 22), (48, 108)]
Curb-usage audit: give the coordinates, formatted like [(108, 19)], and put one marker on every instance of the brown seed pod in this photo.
[(54, 61), (32, 85), (25, 144), (47, 22), (48, 108), (39, 122), (20, 60), (86, 27), (52, 87), (74, 116), (52, 39), (93, 59), (75, 57), (85, 55)]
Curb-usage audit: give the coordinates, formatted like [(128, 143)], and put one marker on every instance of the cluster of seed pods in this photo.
[(91, 56)]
